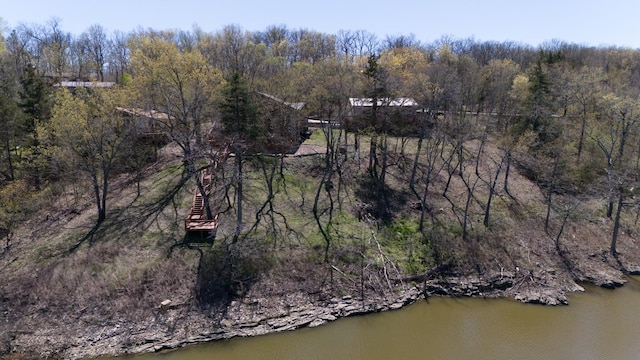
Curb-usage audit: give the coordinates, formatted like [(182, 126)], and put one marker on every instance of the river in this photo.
[(598, 324)]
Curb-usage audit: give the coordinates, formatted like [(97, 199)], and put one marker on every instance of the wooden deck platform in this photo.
[(201, 225), (196, 222)]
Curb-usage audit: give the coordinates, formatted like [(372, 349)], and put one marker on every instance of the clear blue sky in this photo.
[(588, 22)]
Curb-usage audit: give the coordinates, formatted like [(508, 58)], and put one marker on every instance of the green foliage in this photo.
[(14, 206), (36, 104), (585, 175), (552, 56), (238, 112), (375, 88), (11, 127), (179, 84), (88, 132), (539, 105), (407, 245), (125, 79), (317, 138), (3, 45), (404, 230), (35, 99)]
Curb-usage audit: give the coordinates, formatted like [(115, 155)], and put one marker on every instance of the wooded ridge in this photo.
[(334, 173)]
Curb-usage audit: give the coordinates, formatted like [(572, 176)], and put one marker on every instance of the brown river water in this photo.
[(598, 324)]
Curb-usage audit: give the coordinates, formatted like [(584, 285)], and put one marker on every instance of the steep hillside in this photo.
[(135, 284)]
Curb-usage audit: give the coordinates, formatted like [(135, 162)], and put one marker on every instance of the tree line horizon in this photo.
[(105, 48)]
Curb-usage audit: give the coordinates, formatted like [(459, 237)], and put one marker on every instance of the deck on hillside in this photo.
[(197, 221)]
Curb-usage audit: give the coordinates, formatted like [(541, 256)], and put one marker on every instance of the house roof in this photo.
[(151, 114), (87, 84), (395, 102), (295, 105)]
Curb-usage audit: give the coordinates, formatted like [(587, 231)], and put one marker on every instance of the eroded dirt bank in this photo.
[(133, 286), (176, 323)]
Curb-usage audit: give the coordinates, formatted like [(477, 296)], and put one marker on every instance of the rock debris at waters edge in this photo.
[(245, 319), (243, 323), (306, 315)]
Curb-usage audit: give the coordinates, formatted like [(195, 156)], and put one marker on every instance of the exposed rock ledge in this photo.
[(251, 316), (242, 319)]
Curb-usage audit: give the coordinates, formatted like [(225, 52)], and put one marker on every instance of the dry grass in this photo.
[(137, 258)]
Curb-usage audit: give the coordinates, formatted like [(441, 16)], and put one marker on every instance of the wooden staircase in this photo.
[(197, 209), (197, 223)]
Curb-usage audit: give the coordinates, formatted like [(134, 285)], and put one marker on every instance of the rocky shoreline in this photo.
[(181, 321), (254, 316)]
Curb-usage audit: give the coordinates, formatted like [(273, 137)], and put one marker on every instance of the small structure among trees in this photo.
[(400, 115), (272, 125), (145, 124), (250, 124), (197, 222), (284, 124)]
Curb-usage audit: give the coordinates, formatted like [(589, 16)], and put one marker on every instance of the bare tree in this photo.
[(613, 135), (97, 46), (50, 46), (88, 131), (182, 87), (119, 57)]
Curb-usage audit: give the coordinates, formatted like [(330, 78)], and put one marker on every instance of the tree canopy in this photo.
[(236, 89)]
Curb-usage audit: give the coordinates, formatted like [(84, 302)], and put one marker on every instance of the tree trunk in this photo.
[(412, 179), (383, 207), (96, 192), (423, 203), (414, 169), (616, 225), (582, 130), (550, 194), (239, 195), (105, 191), (492, 190), (356, 147), (316, 215), (373, 159), (506, 174), (9, 160), (467, 205), (610, 207)]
